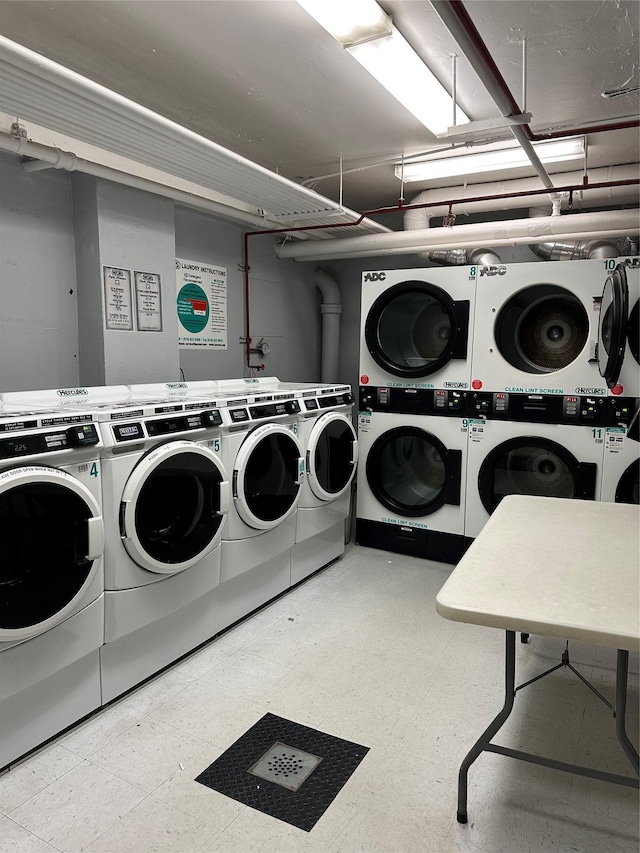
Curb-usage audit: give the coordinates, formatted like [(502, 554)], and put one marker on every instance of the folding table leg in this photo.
[(622, 668), (486, 737)]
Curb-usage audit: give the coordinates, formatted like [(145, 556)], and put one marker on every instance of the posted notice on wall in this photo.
[(201, 304), (148, 301), (118, 309)]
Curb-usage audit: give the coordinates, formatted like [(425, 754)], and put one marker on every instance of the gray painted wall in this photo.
[(283, 303), (38, 300), (122, 227)]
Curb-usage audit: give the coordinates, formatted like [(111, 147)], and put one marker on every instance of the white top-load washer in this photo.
[(166, 494), (416, 327), (536, 329), (51, 569)]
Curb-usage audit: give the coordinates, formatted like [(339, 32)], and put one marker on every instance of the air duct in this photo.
[(331, 309), (582, 250), (581, 226)]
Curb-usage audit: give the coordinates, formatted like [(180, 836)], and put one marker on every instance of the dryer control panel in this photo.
[(540, 408), (414, 401)]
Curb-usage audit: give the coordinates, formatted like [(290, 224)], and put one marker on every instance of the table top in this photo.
[(552, 566)]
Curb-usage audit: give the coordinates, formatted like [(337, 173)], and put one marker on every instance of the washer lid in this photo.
[(173, 507), (51, 538), (612, 328), (332, 454), (267, 474)]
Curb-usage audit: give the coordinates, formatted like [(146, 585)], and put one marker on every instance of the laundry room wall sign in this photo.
[(201, 304)]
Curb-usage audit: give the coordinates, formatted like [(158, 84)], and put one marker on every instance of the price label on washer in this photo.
[(614, 439), (364, 421), (477, 429)]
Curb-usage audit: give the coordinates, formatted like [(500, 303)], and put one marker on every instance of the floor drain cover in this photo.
[(285, 765), (285, 770)]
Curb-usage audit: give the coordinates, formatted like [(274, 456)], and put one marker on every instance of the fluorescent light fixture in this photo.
[(368, 34), (458, 165)]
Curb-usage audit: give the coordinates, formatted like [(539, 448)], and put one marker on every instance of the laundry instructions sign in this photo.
[(201, 303)]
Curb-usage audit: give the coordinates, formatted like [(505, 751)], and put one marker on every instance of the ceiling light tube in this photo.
[(369, 36), (459, 165)]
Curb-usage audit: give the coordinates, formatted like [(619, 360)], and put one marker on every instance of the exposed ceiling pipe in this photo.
[(617, 223), (457, 21), (508, 195), (331, 309)]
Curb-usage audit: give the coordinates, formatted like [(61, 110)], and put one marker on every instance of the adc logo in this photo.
[(375, 276), (492, 271)]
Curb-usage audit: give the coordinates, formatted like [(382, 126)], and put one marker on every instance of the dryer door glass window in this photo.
[(43, 547), (542, 329), (633, 332), (612, 332), (534, 466), (333, 458), (414, 329), (407, 471), (628, 490), (178, 508), (271, 477)]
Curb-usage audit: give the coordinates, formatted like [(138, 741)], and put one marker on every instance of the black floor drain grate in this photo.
[(285, 770)]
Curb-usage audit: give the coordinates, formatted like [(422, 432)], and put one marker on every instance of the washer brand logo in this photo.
[(375, 276), (590, 391), (72, 392), (492, 271), (176, 385), (456, 384)]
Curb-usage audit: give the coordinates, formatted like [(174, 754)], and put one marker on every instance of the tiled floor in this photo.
[(357, 651)]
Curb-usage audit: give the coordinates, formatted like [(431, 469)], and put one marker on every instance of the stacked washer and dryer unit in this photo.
[(553, 385)]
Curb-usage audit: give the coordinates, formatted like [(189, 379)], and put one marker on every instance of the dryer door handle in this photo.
[(225, 497), (95, 538)]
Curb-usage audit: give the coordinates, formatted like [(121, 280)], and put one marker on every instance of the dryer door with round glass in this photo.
[(173, 507), (628, 488), (332, 454), (412, 473), (542, 329), (532, 465), (612, 329), (415, 328), (51, 537), (267, 475)]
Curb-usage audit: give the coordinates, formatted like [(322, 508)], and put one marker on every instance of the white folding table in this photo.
[(555, 567)]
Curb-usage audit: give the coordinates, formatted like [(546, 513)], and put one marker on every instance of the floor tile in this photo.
[(148, 753), (102, 728), (77, 808), (154, 826), (17, 839), (181, 791), (158, 690), (24, 780)]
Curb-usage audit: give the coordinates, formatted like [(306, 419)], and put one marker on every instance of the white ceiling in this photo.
[(261, 78)]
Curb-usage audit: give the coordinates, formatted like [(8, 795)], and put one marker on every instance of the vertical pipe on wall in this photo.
[(331, 309)]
